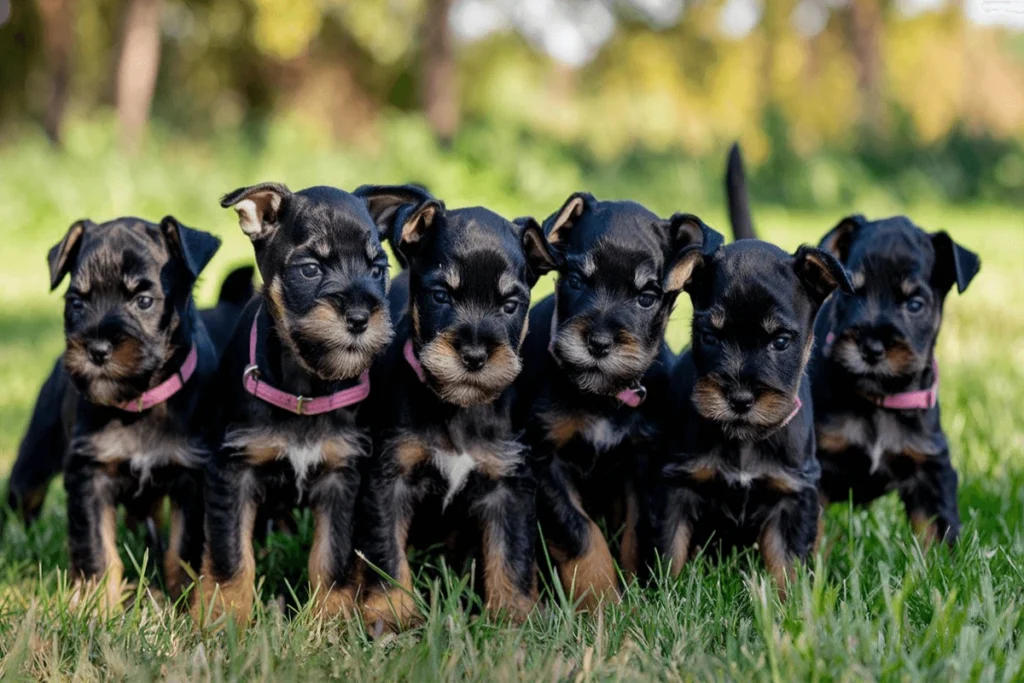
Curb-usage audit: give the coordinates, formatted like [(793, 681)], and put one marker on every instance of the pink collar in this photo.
[(631, 397), (300, 405), (796, 409), (922, 399), (165, 389), (414, 362)]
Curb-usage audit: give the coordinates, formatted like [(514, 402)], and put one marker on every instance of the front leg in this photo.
[(577, 546), (92, 529), (228, 579), (789, 535), (185, 544), (332, 499), (508, 519), (671, 519), (931, 502)]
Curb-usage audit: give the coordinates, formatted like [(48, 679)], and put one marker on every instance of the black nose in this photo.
[(741, 400), (473, 357), (872, 350), (599, 343), (357, 320), (99, 350)]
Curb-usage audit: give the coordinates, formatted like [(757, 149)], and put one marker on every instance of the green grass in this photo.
[(875, 608)]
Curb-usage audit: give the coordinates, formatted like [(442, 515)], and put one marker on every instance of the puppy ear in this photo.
[(820, 272), (403, 213), (559, 225), (194, 247), (690, 241), (953, 263), (64, 253), (258, 207), (837, 240), (538, 256)]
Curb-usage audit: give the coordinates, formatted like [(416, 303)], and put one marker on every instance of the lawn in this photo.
[(876, 607)]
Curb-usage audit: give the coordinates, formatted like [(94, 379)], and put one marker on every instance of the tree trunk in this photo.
[(58, 42), (439, 81), (866, 34), (137, 67)]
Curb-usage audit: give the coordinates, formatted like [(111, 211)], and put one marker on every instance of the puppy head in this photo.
[(620, 270), (325, 272), (753, 329), (131, 283), (470, 274), (886, 329)]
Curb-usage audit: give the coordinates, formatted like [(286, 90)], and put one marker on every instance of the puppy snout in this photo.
[(599, 343), (357, 319), (872, 349), (99, 350), (741, 400), (474, 356)]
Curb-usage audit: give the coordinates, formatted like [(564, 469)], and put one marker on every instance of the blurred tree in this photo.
[(865, 27), (58, 42), (138, 63), (439, 90)]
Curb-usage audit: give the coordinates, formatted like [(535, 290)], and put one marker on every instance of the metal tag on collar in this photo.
[(300, 403)]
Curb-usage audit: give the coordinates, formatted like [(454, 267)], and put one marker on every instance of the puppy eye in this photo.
[(376, 272), (144, 302), (781, 342), (75, 303), (574, 281), (709, 338), (510, 307), (310, 270), (914, 304), (647, 299), (441, 296)]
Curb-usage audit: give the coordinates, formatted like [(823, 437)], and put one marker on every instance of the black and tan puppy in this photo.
[(595, 352), (122, 401), (286, 405), (447, 444), (875, 374), (740, 468)]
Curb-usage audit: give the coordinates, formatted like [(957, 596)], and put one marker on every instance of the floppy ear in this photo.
[(64, 253), (837, 240), (403, 213), (194, 247), (820, 272), (559, 225), (258, 207), (538, 256), (953, 263), (690, 241)]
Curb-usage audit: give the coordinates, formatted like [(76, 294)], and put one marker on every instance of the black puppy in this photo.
[(446, 443), (285, 407), (875, 373), (595, 351), (121, 402), (740, 467), (41, 455)]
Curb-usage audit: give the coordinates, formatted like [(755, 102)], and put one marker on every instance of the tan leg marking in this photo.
[(591, 575), (679, 550), (331, 598), (924, 528), (233, 595), (172, 559), (776, 559), (500, 589), (629, 547), (394, 605), (113, 569)]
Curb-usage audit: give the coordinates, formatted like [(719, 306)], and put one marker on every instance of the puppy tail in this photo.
[(237, 287), (736, 194)]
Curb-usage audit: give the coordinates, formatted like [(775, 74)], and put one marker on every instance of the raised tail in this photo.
[(737, 197), (237, 288)]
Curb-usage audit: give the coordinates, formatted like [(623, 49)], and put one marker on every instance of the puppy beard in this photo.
[(123, 377), (455, 384), (899, 361), (620, 369), (770, 410), (323, 345)]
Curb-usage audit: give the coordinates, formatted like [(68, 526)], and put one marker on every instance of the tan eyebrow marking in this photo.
[(643, 277), (320, 248), (508, 284), (908, 287), (588, 266), (771, 324), (717, 316), (452, 277)]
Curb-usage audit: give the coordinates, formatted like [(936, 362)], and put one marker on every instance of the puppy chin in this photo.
[(619, 370), (329, 351), (768, 413), (454, 384)]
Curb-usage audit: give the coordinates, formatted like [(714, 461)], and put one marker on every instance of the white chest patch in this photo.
[(143, 449), (302, 455), (455, 468), (602, 434)]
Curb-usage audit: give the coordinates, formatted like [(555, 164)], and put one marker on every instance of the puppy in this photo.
[(595, 351), (42, 453), (122, 401), (875, 373), (740, 467), (285, 407), (446, 443)]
